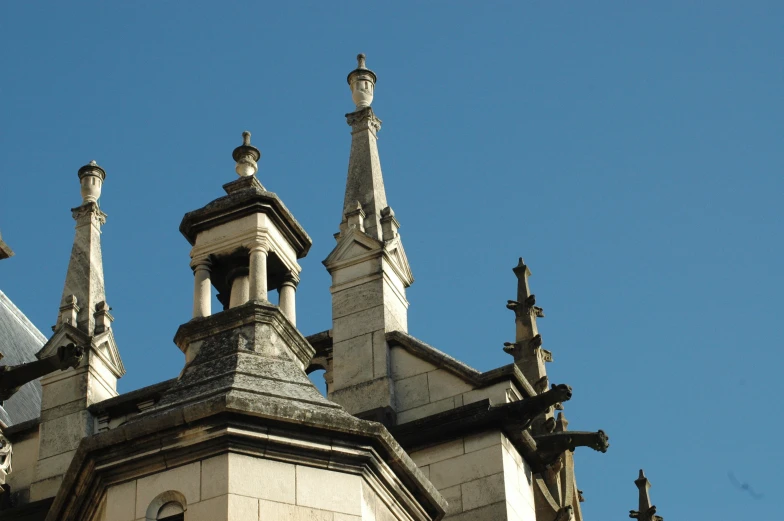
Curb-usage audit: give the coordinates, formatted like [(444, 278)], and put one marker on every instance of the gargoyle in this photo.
[(528, 307), (12, 377), (523, 412), (516, 348), (532, 308), (550, 446)]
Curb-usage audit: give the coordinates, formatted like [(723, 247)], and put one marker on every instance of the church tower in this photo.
[(242, 434), (370, 271), (83, 320)]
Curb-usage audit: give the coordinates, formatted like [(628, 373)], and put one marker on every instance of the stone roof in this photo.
[(20, 340), (246, 373)]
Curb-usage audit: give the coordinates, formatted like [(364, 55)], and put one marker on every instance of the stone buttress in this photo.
[(369, 269), (85, 321)]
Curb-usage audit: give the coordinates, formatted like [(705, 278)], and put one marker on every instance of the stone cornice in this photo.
[(242, 202), (199, 431)]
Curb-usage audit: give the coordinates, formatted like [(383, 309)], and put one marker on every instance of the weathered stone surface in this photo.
[(483, 491), (185, 479), (404, 364), (474, 465), (272, 480), (121, 502), (329, 490), (439, 452)]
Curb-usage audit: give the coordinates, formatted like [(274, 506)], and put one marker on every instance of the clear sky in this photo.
[(630, 151)]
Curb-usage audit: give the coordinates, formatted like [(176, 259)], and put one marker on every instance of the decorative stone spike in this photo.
[(646, 511)]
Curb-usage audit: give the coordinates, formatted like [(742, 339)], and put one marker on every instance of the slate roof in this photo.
[(20, 340)]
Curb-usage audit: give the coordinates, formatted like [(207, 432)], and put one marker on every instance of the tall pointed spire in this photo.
[(365, 184), (83, 320), (84, 288), (369, 268)]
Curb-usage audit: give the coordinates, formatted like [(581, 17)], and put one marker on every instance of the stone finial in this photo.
[(246, 156), (389, 225), (362, 82), (91, 178)]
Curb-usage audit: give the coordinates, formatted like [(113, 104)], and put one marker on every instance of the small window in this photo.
[(168, 506), (171, 511)]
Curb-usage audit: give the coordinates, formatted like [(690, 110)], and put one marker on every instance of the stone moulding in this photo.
[(198, 431)]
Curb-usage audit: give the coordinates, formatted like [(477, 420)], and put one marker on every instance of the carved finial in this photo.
[(91, 177), (246, 156), (362, 82)]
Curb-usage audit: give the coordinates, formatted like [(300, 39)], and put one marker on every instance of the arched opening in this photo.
[(316, 376), (167, 506)]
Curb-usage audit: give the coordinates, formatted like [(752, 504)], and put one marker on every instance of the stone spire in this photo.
[(527, 349), (365, 184), (84, 287), (646, 511), (369, 268), (85, 321)]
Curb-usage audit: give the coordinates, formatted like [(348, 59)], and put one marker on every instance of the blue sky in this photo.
[(630, 151)]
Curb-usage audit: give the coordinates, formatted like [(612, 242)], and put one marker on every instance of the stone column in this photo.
[(258, 271), (288, 291), (240, 288), (202, 298)]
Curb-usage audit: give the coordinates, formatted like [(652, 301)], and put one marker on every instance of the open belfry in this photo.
[(405, 431)]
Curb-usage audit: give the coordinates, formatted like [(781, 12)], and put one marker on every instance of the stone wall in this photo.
[(482, 476), (236, 487), (24, 461), (422, 389)]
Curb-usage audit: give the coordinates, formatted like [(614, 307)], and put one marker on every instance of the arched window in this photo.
[(168, 506), (171, 511)]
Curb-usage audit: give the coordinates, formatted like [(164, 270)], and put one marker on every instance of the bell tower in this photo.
[(245, 244)]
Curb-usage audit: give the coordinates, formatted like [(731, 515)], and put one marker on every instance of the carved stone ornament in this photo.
[(6, 454), (91, 210), (363, 118), (246, 156)]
